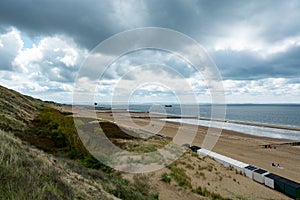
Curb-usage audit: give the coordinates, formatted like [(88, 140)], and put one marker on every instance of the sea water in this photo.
[(287, 115), (280, 114)]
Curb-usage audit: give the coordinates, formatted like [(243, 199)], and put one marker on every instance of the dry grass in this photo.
[(27, 173), (66, 170), (16, 110)]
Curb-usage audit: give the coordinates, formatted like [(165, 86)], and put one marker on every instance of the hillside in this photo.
[(39, 161), (42, 157), (16, 110)]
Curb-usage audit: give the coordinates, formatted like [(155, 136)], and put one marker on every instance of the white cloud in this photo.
[(239, 38), (45, 70), (61, 50), (10, 46), (27, 57), (281, 90), (284, 45), (243, 38), (55, 57)]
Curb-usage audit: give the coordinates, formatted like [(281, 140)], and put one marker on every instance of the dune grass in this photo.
[(23, 176), (54, 132)]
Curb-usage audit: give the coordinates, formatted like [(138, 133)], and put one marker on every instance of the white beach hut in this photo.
[(249, 171), (203, 152), (224, 160), (259, 175), (218, 157), (239, 166), (270, 179)]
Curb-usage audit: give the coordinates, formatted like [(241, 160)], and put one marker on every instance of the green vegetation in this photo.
[(16, 110), (124, 189), (113, 131), (165, 178), (25, 177), (54, 132), (141, 145), (179, 175), (189, 166), (204, 192), (22, 166)]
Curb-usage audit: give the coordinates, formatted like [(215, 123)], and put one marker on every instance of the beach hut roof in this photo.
[(260, 171), (273, 176), (195, 148), (251, 167), (223, 158)]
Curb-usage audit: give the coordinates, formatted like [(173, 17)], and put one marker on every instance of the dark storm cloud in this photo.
[(277, 19), (91, 21), (206, 20), (288, 63), (199, 19), (88, 22), (248, 65)]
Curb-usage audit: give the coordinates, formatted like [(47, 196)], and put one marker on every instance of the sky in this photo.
[(255, 46)]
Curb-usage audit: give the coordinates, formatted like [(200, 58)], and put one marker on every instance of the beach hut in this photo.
[(239, 166), (249, 171), (259, 175), (292, 189), (224, 160), (195, 148), (220, 159), (288, 187), (203, 152), (270, 179), (217, 157)]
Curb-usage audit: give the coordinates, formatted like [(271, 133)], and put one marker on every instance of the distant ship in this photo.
[(168, 106)]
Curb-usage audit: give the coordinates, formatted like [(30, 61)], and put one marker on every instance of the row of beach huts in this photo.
[(278, 183)]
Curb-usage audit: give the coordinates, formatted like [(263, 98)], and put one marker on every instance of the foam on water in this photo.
[(242, 128)]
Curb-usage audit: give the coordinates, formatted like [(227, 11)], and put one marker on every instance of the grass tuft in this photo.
[(165, 178)]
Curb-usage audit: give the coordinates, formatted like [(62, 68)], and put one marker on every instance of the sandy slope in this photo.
[(246, 148)]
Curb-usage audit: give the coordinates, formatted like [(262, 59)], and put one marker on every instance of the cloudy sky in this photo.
[(255, 45)]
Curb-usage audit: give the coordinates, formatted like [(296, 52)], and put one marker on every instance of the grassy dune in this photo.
[(42, 156)]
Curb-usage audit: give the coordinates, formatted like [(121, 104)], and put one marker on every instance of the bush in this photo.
[(123, 189), (180, 176), (204, 192), (54, 132), (165, 178)]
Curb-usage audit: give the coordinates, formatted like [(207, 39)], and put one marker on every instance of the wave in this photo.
[(242, 128)]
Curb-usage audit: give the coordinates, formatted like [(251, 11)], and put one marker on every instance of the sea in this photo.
[(286, 115)]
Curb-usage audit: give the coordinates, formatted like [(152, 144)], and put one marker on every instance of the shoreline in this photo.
[(260, 131), (174, 116)]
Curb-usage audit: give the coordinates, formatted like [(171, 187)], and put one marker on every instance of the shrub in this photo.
[(204, 192), (189, 166), (165, 178), (180, 176)]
